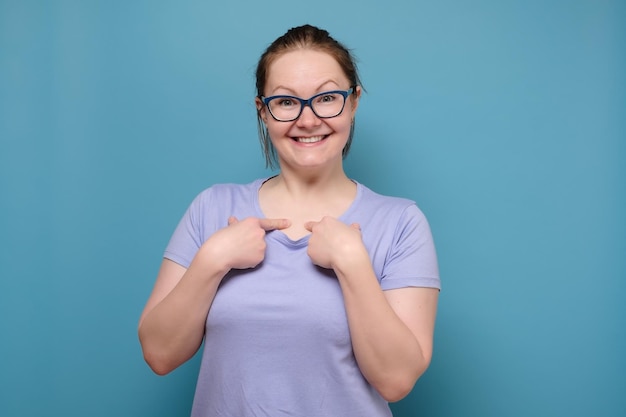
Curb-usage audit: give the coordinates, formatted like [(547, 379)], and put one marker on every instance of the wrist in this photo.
[(212, 261), (351, 259)]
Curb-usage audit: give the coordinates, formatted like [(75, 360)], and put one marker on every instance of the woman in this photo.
[(314, 296)]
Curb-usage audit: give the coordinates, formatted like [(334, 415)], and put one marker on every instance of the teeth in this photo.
[(310, 140)]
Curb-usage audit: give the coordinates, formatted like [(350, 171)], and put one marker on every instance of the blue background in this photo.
[(504, 120)]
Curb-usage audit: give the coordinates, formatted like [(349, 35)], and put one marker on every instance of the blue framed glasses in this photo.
[(324, 105)]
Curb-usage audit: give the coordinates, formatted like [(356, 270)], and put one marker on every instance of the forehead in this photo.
[(302, 68)]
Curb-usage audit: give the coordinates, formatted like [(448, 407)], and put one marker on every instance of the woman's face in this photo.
[(308, 142)]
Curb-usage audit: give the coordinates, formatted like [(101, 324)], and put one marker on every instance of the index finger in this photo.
[(274, 224)]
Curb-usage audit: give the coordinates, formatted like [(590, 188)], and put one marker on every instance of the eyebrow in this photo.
[(319, 89)]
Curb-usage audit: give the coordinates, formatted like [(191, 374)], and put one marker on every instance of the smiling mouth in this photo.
[(312, 139)]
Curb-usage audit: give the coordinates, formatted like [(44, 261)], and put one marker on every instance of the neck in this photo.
[(301, 198), (315, 183)]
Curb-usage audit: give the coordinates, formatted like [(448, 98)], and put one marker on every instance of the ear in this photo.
[(261, 109), (355, 99), (359, 90)]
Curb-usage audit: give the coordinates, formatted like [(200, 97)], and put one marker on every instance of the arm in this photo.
[(391, 331), (171, 327)]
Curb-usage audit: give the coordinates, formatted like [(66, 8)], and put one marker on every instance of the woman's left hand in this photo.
[(333, 242)]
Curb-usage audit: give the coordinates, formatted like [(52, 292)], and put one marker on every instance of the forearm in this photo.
[(172, 331), (388, 353)]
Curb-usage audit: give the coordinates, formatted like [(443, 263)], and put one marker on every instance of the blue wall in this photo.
[(504, 120)]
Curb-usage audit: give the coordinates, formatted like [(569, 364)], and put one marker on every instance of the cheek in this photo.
[(344, 125), (276, 129)]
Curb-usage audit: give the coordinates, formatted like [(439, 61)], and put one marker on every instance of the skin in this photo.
[(391, 331)]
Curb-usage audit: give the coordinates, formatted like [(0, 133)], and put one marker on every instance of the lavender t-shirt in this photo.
[(277, 339)]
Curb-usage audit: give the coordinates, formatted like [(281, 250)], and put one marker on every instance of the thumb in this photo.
[(232, 220), (309, 225)]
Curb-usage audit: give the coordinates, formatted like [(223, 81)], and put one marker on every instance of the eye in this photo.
[(326, 98), (285, 102)]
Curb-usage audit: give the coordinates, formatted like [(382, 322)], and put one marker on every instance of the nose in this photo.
[(308, 118)]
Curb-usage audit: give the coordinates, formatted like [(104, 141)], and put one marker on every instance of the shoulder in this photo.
[(223, 193), (225, 189), (223, 200), (374, 202), (399, 240), (394, 217)]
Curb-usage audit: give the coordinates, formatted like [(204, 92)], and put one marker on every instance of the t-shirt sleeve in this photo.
[(412, 259), (188, 235)]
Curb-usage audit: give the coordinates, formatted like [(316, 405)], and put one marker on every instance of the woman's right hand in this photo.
[(171, 327), (241, 244)]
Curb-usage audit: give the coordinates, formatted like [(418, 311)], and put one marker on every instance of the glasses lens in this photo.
[(284, 108), (328, 104)]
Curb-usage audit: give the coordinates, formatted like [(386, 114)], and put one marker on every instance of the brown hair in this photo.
[(302, 37)]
